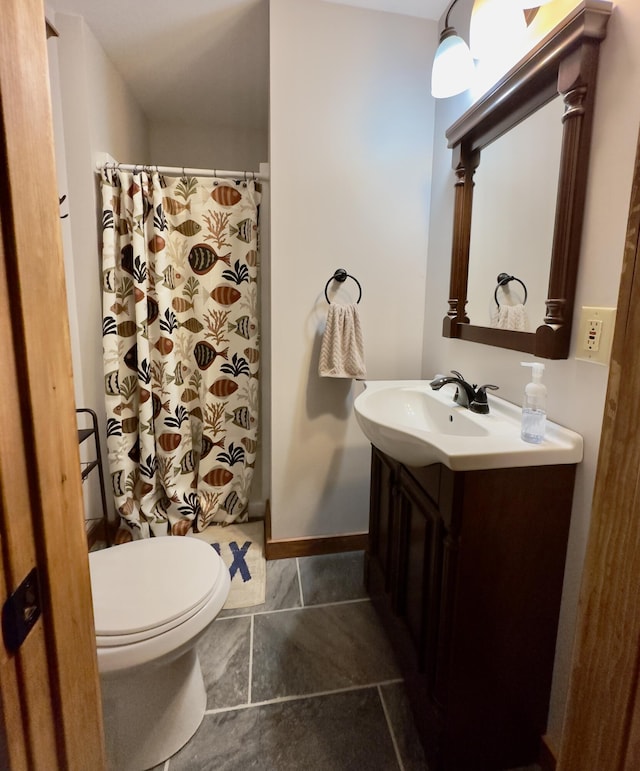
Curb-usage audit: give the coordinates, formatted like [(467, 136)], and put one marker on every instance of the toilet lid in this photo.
[(150, 585)]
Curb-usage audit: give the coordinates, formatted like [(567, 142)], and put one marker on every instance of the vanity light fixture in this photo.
[(453, 67), (496, 25)]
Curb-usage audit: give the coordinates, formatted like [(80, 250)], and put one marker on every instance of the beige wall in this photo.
[(205, 147), (576, 388), (93, 111), (350, 143)]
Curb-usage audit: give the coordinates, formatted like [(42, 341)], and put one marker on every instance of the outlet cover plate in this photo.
[(607, 317)]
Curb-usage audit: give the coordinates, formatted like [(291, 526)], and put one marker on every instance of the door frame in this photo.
[(50, 709), (602, 721)]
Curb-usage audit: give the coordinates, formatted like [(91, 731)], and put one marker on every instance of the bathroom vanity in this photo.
[(465, 568)]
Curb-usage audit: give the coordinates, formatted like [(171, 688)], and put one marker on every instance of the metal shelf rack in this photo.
[(95, 463)]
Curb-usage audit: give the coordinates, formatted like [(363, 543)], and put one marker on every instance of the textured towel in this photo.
[(511, 317), (342, 349)]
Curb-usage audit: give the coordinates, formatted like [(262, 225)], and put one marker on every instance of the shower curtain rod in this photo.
[(184, 171)]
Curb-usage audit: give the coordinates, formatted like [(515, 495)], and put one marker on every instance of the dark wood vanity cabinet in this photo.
[(465, 569)]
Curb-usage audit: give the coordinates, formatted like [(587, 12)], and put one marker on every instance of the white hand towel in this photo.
[(342, 349), (511, 317)]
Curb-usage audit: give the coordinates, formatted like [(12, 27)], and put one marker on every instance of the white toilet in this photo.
[(152, 599)]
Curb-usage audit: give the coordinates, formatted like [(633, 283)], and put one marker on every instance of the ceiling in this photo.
[(205, 59)]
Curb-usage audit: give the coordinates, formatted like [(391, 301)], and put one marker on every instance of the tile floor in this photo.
[(306, 681)]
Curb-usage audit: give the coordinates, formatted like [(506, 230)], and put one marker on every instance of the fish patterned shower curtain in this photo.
[(180, 340)]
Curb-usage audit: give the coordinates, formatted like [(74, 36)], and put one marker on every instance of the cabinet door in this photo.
[(381, 516), (420, 570)]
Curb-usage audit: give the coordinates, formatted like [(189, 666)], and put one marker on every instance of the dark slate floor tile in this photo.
[(282, 589), (402, 725), (327, 733), (313, 650), (223, 651), (332, 577)]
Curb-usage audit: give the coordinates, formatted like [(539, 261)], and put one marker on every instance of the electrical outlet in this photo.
[(595, 334)]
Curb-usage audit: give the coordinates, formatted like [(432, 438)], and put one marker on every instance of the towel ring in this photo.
[(503, 279), (341, 276)]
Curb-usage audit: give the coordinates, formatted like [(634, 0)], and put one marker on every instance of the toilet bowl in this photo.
[(152, 599)]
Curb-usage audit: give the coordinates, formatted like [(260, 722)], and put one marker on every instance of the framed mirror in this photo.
[(518, 242)]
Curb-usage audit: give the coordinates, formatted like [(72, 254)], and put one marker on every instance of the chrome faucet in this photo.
[(470, 396)]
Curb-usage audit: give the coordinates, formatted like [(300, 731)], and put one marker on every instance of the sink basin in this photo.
[(417, 426)]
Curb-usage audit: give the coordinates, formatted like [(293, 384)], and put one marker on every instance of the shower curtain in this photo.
[(180, 342)]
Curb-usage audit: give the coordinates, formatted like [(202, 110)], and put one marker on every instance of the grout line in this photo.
[(311, 607), (391, 731), (250, 661), (288, 610), (295, 697), (299, 582), (338, 602)]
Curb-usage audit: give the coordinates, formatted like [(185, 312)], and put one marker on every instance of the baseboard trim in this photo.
[(548, 759), (310, 545), (306, 547)]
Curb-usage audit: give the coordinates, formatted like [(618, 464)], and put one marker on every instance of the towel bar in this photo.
[(341, 276)]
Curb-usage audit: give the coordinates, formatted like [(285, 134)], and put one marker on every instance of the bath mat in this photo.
[(242, 550)]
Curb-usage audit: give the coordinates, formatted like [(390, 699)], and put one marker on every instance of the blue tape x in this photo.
[(239, 562)]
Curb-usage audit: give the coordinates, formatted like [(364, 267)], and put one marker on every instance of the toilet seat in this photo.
[(146, 587)]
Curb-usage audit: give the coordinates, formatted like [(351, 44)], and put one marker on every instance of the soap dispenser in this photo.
[(534, 407)]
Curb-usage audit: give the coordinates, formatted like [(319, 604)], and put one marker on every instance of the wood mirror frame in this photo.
[(565, 62)]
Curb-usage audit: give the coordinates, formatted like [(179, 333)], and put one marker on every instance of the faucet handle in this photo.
[(480, 403), (460, 396)]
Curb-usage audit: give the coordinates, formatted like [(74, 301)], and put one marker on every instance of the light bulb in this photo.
[(453, 67), (496, 25)]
